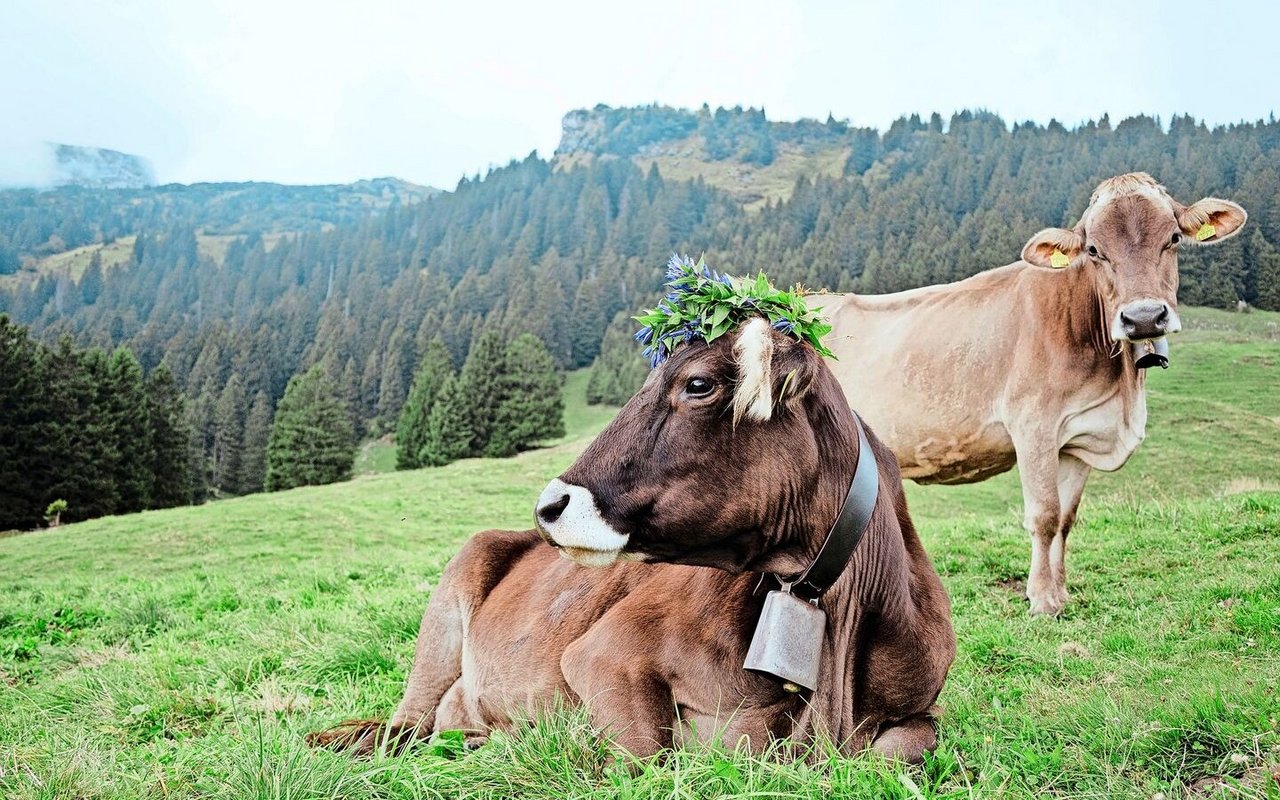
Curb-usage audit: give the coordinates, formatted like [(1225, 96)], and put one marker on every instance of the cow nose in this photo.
[(549, 511), (1147, 319)]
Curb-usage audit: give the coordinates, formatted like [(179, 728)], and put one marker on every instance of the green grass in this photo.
[(376, 456), (184, 653)]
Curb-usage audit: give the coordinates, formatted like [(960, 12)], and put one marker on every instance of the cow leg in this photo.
[(437, 665), (1038, 468), (437, 660), (1072, 474), (624, 693)]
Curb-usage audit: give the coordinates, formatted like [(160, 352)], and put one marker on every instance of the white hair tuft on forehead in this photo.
[(754, 350)]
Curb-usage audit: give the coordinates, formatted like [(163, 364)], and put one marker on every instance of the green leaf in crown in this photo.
[(703, 304)]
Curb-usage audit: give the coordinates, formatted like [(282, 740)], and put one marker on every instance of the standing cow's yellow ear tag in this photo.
[(1059, 259), (1207, 231)]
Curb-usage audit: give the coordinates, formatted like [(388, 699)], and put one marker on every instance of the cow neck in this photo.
[(847, 532), (1086, 313), (879, 590)]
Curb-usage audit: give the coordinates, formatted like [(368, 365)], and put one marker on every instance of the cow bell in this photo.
[(787, 643), (1151, 353)]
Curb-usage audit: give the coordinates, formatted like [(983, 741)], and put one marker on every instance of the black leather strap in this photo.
[(847, 532)]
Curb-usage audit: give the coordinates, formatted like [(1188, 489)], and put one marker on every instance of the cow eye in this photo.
[(699, 387), (1177, 237), (1093, 251)]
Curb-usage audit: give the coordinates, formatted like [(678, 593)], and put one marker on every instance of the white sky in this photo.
[(311, 92)]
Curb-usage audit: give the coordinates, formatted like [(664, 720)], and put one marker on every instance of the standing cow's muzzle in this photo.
[(569, 520), (1145, 319), (1145, 323)]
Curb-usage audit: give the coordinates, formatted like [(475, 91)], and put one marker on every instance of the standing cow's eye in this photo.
[(1093, 251), (1177, 237), (699, 387)]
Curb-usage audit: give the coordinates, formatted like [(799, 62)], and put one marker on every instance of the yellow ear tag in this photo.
[(1206, 231), (1059, 260)]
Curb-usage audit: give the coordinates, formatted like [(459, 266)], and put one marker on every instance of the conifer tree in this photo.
[(411, 433), (619, 370), (91, 280), (349, 388), (449, 433), (391, 386), (532, 407), (311, 441), (20, 422), (1267, 260), (131, 432), (76, 441), (481, 383), (170, 441), (587, 322), (197, 461), (200, 416), (257, 432), (229, 416)]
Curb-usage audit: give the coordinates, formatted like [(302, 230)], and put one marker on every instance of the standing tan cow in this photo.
[(736, 455), (1026, 364)]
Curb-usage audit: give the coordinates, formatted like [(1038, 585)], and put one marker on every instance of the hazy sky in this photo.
[(311, 92)]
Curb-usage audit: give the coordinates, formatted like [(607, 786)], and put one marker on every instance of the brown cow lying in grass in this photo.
[(736, 455)]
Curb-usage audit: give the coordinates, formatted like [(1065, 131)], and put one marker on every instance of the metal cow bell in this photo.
[(788, 641), (1151, 353)]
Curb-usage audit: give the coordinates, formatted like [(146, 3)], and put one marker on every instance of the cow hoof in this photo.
[(1047, 606), (473, 743), (907, 741)]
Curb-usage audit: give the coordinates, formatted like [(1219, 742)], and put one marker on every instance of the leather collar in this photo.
[(847, 532)]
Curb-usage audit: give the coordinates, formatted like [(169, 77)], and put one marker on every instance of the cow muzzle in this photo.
[(1145, 319), (569, 520)]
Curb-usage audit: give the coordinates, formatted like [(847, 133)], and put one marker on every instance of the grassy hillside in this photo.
[(184, 653), (751, 184)]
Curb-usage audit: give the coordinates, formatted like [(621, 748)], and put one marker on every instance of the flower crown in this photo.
[(703, 304)]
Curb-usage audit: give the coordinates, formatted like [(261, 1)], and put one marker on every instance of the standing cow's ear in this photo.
[(1053, 247), (1211, 220)]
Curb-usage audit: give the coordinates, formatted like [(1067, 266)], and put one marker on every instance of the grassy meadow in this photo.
[(184, 653)]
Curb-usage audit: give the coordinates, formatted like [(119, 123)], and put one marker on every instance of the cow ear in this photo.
[(795, 367), (1053, 247), (1211, 220)]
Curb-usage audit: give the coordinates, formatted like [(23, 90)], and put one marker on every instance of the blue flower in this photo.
[(644, 335), (785, 325), (678, 266)]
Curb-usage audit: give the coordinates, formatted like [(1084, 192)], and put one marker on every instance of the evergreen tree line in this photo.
[(503, 400), (84, 434), (84, 429), (35, 223), (743, 135), (557, 253)]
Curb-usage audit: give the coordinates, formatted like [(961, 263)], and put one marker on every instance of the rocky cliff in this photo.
[(98, 168)]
